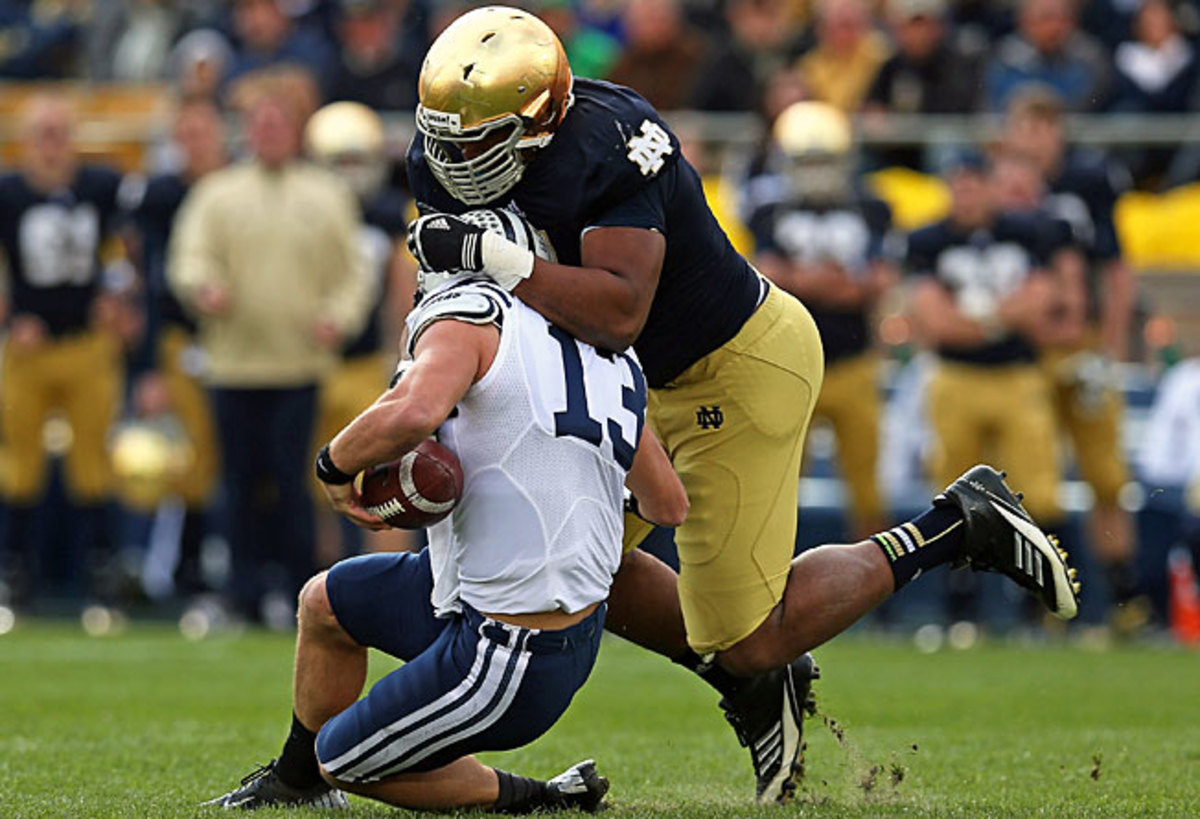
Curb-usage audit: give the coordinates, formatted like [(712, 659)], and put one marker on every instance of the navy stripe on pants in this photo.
[(480, 685)]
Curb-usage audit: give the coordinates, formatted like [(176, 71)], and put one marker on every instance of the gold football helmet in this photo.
[(814, 146), (348, 138), (495, 83), (148, 459)]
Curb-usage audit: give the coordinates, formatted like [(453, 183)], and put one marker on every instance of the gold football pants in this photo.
[(734, 424), (191, 404), (1094, 430), (999, 415), (850, 403), (78, 375)]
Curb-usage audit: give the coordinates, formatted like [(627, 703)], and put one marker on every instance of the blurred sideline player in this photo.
[(824, 244), (171, 361), (734, 367), (63, 347), (1083, 190), (985, 299), (264, 254), (499, 620), (348, 138)]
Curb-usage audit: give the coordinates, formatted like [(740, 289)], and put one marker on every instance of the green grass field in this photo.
[(148, 725)]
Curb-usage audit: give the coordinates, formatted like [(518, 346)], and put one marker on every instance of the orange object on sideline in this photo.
[(1184, 598)]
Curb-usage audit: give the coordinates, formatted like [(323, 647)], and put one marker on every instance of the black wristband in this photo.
[(631, 506), (327, 472)]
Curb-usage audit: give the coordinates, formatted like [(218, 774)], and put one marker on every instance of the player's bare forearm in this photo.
[(1117, 308), (605, 300), (940, 321), (1068, 314), (784, 274), (823, 284), (450, 356), (652, 480), (1030, 311)]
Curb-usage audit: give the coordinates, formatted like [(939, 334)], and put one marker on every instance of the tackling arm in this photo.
[(606, 300), (603, 302)]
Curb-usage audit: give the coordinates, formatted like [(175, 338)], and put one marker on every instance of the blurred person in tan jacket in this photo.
[(264, 255), (842, 66)]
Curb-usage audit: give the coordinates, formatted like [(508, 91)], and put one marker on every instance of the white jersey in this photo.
[(1170, 450), (545, 440)]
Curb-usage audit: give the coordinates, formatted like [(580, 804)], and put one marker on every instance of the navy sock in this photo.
[(297, 764), (930, 539), (18, 569), (1122, 580), (725, 683), (520, 794)]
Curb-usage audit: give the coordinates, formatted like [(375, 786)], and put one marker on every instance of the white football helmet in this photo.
[(814, 146), (348, 138)]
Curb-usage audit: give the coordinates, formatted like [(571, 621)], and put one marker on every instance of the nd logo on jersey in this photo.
[(647, 149)]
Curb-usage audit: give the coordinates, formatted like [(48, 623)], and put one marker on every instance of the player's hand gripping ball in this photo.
[(418, 490)]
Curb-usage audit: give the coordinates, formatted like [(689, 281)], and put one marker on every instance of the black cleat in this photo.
[(767, 714), (578, 788), (1002, 537), (263, 788)]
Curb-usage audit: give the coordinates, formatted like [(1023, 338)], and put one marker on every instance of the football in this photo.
[(415, 491)]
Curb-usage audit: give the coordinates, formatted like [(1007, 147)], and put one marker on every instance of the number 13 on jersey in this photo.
[(597, 397)]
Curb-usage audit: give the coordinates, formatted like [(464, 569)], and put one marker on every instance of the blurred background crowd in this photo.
[(988, 204)]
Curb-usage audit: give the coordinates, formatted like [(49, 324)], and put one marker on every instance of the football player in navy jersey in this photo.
[(63, 349), (985, 299), (734, 367), (824, 242), (169, 362), (348, 138), (1082, 189)]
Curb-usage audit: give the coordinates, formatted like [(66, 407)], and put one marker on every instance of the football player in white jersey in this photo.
[(499, 620)]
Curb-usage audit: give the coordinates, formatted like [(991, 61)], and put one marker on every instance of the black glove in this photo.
[(442, 243), (447, 245)]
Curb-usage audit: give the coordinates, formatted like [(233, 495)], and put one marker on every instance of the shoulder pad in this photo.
[(473, 302)]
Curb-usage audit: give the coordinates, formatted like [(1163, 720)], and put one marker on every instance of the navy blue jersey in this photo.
[(383, 225), (152, 208), (851, 235), (52, 243), (1084, 194), (614, 163), (982, 267)]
